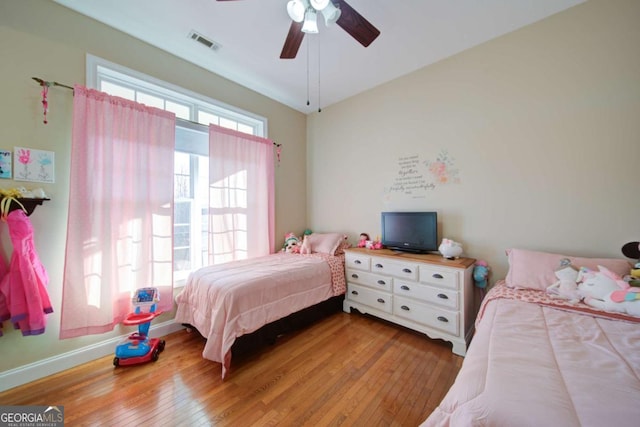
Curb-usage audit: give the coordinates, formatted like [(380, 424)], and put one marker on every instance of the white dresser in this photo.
[(423, 292)]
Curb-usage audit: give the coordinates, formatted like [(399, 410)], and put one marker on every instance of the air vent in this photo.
[(194, 35)]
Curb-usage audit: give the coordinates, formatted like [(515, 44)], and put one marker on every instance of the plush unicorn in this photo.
[(605, 290)]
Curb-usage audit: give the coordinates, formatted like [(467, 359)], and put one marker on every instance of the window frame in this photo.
[(99, 70)]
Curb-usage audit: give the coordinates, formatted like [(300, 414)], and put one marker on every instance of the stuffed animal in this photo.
[(291, 244), (376, 244), (306, 246), (480, 274), (605, 290), (632, 250), (566, 287), (450, 249)]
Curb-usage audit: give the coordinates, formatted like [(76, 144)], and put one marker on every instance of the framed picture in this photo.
[(33, 165), (5, 164)]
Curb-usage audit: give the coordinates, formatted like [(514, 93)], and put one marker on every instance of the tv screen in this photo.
[(410, 231)]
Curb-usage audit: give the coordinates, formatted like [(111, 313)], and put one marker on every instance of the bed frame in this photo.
[(269, 333)]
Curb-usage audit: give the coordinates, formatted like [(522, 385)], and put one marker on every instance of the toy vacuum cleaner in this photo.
[(138, 347)]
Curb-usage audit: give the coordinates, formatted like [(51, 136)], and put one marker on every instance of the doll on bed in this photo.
[(292, 244)]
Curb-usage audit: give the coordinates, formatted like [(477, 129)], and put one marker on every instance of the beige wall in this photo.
[(543, 127), (40, 38)]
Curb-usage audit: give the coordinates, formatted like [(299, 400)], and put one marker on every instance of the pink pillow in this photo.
[(326, 243), (536, 270)]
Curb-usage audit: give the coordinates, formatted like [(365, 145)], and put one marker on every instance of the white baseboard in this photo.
[(42, 368)]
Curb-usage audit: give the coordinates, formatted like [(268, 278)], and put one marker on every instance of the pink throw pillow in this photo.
[(325, 243), (536, 270)]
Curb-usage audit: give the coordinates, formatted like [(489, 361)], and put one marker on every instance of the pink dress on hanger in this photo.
[(5, 314), (24, 286)]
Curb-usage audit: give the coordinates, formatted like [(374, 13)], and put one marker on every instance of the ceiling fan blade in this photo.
[(293, 41), (355, 24)]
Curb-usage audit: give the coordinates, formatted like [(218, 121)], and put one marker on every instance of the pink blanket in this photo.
[(229, 300), (532, 364)]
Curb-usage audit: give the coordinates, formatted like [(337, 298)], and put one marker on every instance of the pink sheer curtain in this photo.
[(241, 195), (120, 224)]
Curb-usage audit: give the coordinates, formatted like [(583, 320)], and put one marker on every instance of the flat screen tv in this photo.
[(410, 231)]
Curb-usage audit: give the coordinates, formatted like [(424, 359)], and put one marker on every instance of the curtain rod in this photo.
[(275, 144), (48, 84)]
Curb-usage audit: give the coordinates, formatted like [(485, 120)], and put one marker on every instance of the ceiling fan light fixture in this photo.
[(296, 10), (331, 14), (310, 22), (319, 5)]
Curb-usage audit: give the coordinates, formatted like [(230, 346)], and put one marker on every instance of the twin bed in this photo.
[(534, 360), (227, 301), (540, 361)]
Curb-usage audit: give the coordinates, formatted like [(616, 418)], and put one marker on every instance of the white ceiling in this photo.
[(414, 34)]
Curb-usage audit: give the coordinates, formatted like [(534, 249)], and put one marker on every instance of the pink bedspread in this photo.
[(229, 300), (532, 364)]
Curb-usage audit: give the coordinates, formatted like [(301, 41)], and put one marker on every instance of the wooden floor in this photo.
[(345, 370)]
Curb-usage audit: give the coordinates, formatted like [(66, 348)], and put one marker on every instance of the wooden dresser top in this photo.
[(408, 256)]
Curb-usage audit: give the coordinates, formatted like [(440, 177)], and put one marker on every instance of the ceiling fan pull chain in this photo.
[(319, 109), (307, 42)]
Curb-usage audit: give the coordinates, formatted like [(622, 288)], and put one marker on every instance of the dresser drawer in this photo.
[(427, 315), (403, 270), (439, 276), (357, 261), (371, 297), (443, 297), (376, 281)]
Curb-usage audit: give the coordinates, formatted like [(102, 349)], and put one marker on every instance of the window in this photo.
[(193, 113)]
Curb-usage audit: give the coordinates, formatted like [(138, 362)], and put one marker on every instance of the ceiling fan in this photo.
[(303, 14)]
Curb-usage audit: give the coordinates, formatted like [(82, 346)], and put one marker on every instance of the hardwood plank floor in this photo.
[(350, 370)]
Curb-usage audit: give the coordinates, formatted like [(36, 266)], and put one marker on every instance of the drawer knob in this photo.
[(354, 292), (443, 319), (443, 296), (381, 282), (354, 276), (405, 288), (379, 266), (404, 307), (380, 300), (407, 270), (437, 276), (357, 261)]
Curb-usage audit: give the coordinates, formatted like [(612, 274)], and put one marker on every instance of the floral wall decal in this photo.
[(442, 169), (415, 177)]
